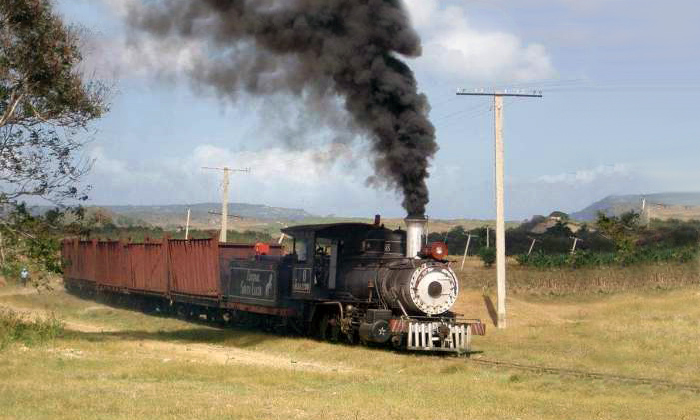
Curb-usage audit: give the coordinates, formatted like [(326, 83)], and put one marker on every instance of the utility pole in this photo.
[(224, 197), (224, 205), (646, 212), (532, 246), (500, 200), (576, 241), (466, 250), (187, 226)]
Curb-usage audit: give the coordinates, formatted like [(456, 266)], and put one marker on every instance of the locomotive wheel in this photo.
[(329, 328), (397, 342)]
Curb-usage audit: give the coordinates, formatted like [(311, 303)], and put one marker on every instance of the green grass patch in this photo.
[(16, 327)]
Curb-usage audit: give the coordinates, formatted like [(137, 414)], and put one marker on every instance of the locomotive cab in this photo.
[(320, 250)]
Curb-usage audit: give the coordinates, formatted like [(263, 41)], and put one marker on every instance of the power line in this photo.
[(454, 114), (518, 93)]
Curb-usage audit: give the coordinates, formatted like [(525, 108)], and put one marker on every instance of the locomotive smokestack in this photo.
[(415, 226)]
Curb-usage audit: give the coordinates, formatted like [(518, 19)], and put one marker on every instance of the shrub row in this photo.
[(594, 259)]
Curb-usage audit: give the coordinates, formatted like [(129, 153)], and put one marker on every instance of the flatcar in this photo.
[(354, 282)]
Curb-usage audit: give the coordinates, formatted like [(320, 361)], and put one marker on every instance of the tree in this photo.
[(560, 229), (488, 256), (46, 108), (622, 231), (44, 104), (618, 228)]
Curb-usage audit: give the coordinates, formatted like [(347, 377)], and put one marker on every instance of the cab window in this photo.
[(300, 249)]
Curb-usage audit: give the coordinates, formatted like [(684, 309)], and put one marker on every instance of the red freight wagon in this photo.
[(79, 259), (194, 267), (112, 268), (169, 266), (149, 267), (69, 254)]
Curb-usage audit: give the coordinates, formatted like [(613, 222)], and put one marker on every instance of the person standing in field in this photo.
[(24, 275)]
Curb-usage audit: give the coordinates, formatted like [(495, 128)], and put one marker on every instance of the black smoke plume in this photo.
[(316, 48)]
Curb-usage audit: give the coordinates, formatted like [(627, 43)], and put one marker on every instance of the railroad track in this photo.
[(589, 375)]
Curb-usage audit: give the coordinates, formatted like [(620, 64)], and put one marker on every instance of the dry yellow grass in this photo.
[(114, 363), (579, 282)]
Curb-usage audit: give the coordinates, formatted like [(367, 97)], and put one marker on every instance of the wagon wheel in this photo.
[(181, 311)]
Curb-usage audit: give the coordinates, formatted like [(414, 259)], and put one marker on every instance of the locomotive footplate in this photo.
[(437, 335)]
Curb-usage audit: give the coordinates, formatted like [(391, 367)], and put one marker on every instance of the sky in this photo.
[(619, 79)]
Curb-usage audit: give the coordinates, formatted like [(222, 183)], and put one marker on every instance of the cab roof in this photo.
[(331, 230)]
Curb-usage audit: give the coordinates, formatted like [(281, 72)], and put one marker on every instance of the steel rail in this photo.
[(587, 374)]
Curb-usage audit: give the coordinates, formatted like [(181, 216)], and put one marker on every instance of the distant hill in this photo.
[(203, 216), (615, 205), (249, 211), (175, 214)]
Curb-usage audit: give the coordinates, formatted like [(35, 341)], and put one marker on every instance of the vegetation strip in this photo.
[(589, 375)]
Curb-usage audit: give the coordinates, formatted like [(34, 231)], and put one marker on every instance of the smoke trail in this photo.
[(317, 49)]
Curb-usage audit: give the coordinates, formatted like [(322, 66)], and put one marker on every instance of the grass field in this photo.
[(579, 282), (112, 363)]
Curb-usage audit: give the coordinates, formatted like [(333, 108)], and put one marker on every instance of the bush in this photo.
[(582, 259), (16, 327), (488, 256)]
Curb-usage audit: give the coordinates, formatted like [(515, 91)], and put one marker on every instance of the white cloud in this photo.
[(114, 58), (454, 48), (588, 176), (303, 168), (120, 7), (121, 173), (269, 166), (312, 179)]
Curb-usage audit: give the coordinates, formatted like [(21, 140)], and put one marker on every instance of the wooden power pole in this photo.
[(224, 205), (224, 198), (187, 225), (466, 250), (500, 195)]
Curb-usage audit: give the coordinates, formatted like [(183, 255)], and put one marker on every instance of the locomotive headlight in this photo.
[(434, 288)]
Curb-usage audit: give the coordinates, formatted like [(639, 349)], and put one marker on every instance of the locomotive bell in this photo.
[(415, 226)]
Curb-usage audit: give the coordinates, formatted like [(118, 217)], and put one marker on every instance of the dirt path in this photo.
[(17, 291), (222, 355)]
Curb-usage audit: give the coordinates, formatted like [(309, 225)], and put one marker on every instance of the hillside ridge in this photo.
[(617, 204)]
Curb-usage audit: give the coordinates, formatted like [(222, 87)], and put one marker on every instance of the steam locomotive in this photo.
[(356, 282)]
